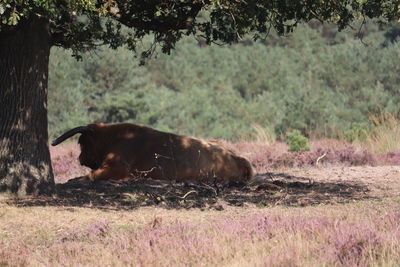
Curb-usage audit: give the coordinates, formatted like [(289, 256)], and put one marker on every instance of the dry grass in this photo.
[(262, 135), (385, 137), (367, 233)]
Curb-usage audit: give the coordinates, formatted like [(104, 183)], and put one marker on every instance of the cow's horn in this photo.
[(70, 133)]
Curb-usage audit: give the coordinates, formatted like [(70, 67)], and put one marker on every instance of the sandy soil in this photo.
[(379, 182)]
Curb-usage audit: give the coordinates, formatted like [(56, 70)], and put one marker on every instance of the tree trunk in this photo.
[(25, 166)]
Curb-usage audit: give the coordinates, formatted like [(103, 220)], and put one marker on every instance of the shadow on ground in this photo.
[(269, 189)]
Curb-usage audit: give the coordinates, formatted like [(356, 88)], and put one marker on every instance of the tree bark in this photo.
[(25, 166)]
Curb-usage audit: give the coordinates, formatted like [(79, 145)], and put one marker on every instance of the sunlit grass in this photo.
[(362, 234), (385, 136), (262, 135)]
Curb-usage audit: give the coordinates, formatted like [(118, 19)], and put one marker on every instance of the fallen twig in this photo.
[(188, 193), (319, 158)]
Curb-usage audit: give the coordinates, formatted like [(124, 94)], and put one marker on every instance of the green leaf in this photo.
[(13, 19)]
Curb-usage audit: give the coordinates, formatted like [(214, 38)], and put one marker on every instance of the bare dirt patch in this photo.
[(291, 187)]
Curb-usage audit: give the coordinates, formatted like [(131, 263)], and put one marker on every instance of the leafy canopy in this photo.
[(85, 24)]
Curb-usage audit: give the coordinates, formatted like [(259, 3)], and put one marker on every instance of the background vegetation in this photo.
[(317, 81)]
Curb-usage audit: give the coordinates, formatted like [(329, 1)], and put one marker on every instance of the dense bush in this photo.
[(297, 142), (356, 134), (317, 81)]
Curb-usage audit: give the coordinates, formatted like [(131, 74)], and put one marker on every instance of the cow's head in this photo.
[(91, 144)]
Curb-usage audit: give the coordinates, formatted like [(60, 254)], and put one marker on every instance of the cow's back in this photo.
[(160, 155)]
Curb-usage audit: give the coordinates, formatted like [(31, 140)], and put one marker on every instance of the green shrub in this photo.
[(297, 142), (357, 133)]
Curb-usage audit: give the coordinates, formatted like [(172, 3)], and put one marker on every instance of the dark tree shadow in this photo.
[(269, 189)]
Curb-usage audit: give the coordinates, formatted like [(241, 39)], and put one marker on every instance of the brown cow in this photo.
[(122, 151)]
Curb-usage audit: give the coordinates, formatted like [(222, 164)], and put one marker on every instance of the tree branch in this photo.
[(149, 22)]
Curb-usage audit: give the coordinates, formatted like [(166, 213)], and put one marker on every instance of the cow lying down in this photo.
[(123, 151)]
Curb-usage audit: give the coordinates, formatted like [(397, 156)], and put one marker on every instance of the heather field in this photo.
[(335, 205)]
